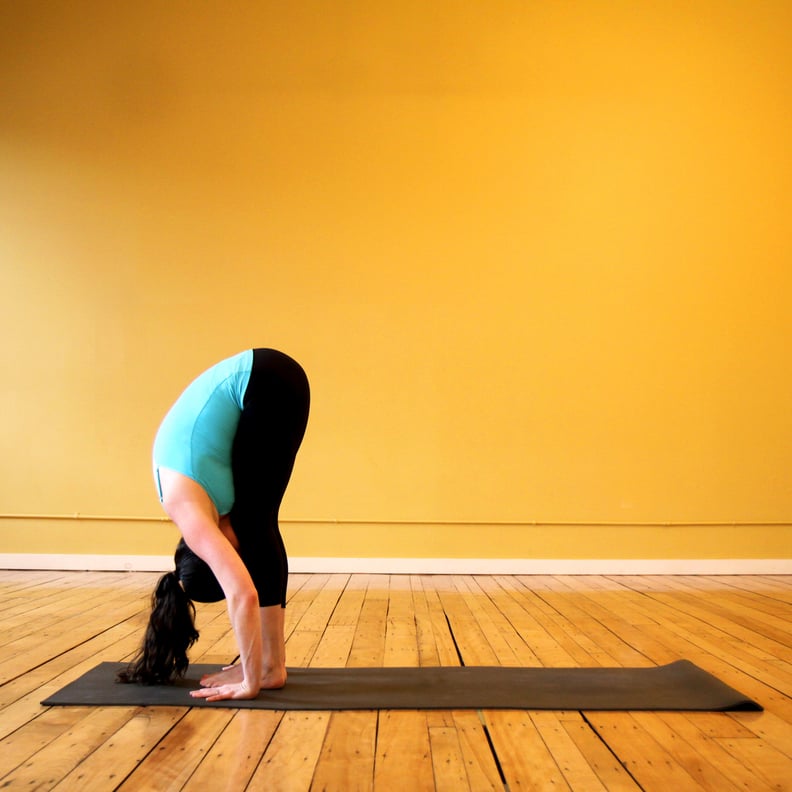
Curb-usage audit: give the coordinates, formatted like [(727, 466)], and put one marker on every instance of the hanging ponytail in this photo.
[(170, 633)]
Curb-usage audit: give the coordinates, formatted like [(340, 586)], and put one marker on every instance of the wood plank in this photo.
[(525, 761), (469, 637), (233, 758), (347, 609), (119, 755), (767, 766), (518, 606), (495, 628), (736, 620), (175, 758), (301, 600), (292, 755), (426, 642), (769, 727), (46, 767), (317, 615), (346, 762), (401, 636), (368, 645), (22, 697), (603, 645), (35, 734), (124, 635), (25, 619), (497, 607), (435, 642), (647, 760), (698, 733), (301, 646), (723, 660), (574, 765), (403, 752), (718, 724), (702, 762), (216, 636), (36, 581), (448, 762), (775, 588), (32, 651), (563, 635), (480, 766), (334, 647), (402, 735), (600, 758)]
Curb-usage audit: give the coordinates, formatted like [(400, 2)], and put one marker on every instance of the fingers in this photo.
[(214, 693), (221, 696), (224, 692)]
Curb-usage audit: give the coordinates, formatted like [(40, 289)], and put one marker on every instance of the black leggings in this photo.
[(271, 428)]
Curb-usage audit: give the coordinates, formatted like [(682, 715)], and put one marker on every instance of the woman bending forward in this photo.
[(223, 457)]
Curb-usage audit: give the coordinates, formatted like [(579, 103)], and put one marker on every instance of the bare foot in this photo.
[(271, 678), (230, 675)]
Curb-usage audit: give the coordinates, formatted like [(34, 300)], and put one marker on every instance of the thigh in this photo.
[(270, 431)]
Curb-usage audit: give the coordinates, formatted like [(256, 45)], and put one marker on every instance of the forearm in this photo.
[(243, 612)]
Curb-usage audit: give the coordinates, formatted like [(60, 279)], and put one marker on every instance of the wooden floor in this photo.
[(56, 625)]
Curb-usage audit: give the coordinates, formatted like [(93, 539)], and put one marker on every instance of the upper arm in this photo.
[(188, 505), (206, 540)]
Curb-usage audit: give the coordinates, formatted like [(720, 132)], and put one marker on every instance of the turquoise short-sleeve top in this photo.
[(196, 436)]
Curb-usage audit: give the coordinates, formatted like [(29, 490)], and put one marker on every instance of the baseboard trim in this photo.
[(428, 566), (75, 562)]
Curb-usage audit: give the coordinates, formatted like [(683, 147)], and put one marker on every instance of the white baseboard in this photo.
[(543, 566), (86, 563), (429, 566)]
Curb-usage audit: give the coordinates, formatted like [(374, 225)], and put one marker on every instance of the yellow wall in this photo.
[(534, 256)]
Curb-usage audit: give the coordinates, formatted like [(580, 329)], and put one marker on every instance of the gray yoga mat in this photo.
[(677, 686)]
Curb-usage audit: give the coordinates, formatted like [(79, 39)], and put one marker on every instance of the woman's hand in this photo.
[(239, 690)]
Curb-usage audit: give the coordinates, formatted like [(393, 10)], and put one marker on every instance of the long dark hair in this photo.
[(170, 633)]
